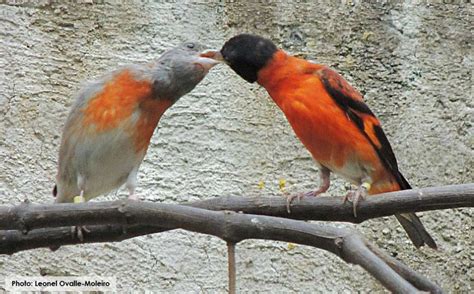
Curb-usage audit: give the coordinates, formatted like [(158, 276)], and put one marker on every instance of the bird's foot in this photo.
[(318, 192), (79, 199), (133, 197), (357, 195), (298, 196), (79, 232)]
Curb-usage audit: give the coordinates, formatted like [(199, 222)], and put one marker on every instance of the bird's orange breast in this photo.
[(320, 124), (126, 104)]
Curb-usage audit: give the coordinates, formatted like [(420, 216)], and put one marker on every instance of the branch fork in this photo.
[(27, 226)]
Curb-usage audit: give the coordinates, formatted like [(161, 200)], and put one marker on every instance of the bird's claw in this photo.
[(133, 197), (298, 196), (79, 232), (356, 196), (289, 199)]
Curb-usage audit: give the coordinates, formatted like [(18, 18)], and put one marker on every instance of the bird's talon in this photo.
[(289, 199), (356, 196), (133, 197), (298, 196), (310, 194), (348, 196), (79, 232), (354, 206)]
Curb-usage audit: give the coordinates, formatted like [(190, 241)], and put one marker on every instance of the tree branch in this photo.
[(26, 217), (143, 218), (334, 208), (44, 225), (309, 208)]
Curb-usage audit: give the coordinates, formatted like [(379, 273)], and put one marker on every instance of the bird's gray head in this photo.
[(179, 70)]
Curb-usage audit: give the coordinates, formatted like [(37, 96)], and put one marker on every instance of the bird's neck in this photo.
[(283, 72), (275, 70), (151, 111)]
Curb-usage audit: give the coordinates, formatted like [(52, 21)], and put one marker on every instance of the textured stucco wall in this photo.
[(413, 62)]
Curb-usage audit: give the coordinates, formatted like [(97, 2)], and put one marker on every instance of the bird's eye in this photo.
[(190, 45)]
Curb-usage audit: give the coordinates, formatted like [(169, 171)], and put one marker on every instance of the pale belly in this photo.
[(104, 162), (351, 171)]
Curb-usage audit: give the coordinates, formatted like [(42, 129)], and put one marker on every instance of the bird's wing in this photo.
[(351, 102)]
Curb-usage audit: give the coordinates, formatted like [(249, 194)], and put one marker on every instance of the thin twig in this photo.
[(232, 269)]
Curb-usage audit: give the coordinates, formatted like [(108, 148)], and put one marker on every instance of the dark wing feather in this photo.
[(351, 102)]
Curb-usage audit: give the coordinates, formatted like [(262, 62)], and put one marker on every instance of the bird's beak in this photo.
[(206, 59), (213, 54)]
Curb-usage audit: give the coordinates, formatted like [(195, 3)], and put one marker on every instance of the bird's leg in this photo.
[(131, 194), (81, 185), (80, 198), (79, 230), (325, 176), (131, 184), (359, 193)]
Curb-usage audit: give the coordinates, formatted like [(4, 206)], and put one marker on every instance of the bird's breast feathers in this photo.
[(125, 104), (108, 132), (323, 127)]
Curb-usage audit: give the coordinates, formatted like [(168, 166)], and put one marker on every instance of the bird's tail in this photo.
[(415, 230), (412, 224)]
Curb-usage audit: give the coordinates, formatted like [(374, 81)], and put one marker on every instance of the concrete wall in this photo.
[(412, 60)]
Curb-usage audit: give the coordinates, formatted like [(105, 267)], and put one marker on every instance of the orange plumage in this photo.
[(323, 127), (117, 101), (109, 128), (331, 119)]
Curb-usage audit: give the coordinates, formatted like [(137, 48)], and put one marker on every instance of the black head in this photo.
[(247, 54)]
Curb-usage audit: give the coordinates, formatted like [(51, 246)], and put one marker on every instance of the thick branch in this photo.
[(229, 226), (26, 217), (310, 208), (106, 225), (334, 209)]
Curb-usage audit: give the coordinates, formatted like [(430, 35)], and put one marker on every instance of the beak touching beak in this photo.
[(209, 58), (213, 54)]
